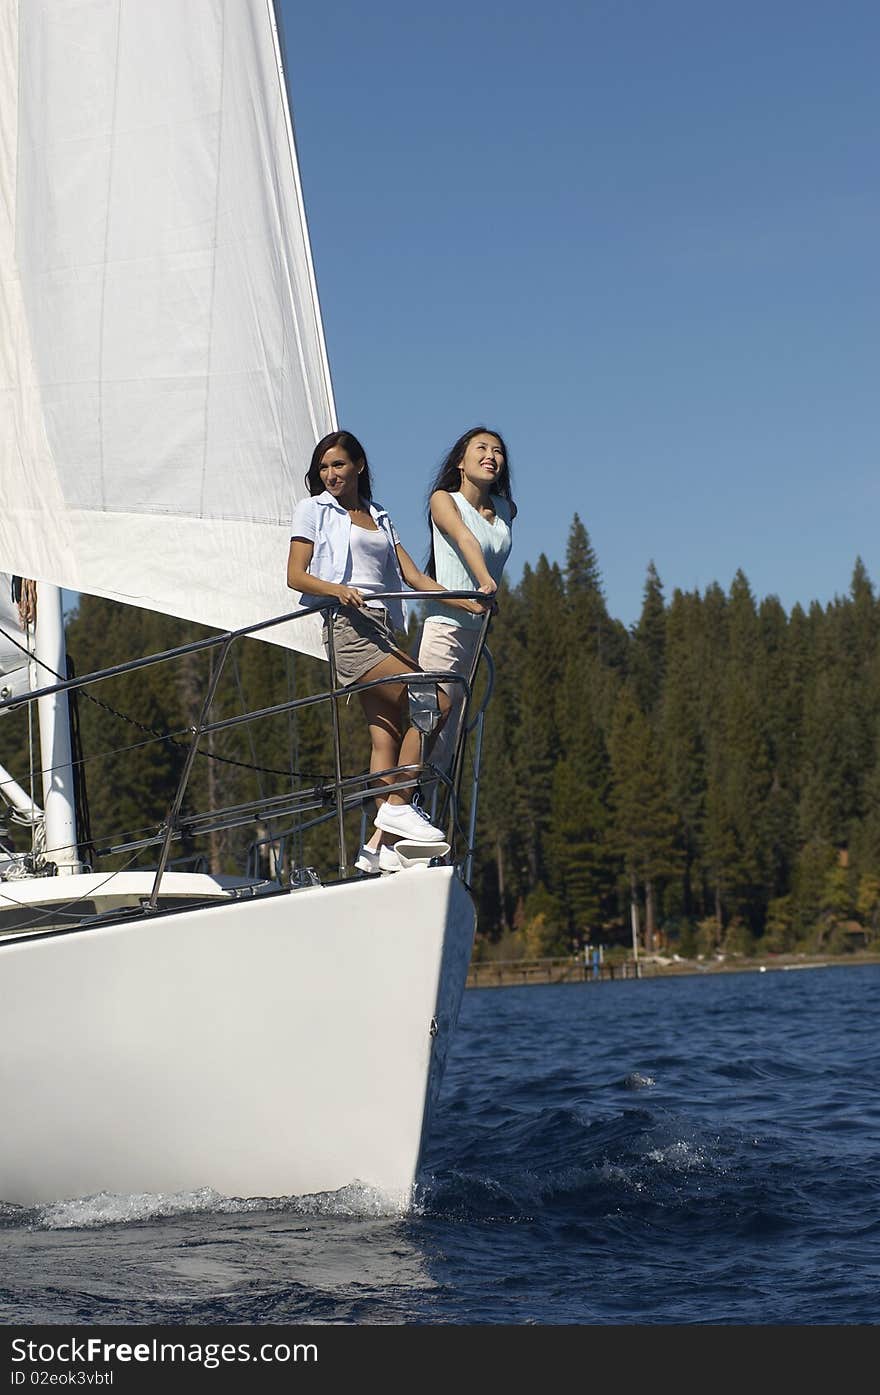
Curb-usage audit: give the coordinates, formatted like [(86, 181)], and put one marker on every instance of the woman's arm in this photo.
[(299, 578), (420, 581), (452, 525)]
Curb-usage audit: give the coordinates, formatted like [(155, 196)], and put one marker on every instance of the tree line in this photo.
[(710, 774), (706, 779)]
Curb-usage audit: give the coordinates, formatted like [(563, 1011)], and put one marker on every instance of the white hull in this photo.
[(281, 1045)]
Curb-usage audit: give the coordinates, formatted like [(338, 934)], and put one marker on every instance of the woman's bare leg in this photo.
[(383, 707)]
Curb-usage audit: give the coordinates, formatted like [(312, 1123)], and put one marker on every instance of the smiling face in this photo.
[(339, 475), (483, 463)]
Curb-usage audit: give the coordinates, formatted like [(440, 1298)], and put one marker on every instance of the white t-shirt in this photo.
[(373, 564), (322, 521)]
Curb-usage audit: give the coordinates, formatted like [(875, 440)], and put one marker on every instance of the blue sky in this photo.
[(639, 238)]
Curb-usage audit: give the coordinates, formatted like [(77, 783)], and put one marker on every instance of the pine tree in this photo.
[(644, 825), (576, 848), (683, 733), (648, 650), (537, 738), (589, 624), (499, 855)]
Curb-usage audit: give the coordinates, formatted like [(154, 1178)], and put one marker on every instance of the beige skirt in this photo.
[(447, 648), (362, 638)]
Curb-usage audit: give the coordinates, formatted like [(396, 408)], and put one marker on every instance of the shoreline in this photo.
[(513, 973)]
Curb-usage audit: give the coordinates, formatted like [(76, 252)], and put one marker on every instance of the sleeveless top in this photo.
[(452, 571)]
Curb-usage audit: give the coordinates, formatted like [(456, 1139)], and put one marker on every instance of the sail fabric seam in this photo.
[(295, 317), (213, 294), (287, 117), (102, 328), (277, 421)]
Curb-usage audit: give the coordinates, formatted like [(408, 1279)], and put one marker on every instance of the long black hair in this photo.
[(355, 452), (448, 477)]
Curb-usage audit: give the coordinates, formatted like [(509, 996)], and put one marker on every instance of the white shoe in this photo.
[(408, 821), (388, 859), (367, 860)]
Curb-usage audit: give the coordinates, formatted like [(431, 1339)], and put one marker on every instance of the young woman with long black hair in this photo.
[(470, 517), (470, 513)]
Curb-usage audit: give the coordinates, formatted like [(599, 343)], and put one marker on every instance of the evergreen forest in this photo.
[(708, 779)]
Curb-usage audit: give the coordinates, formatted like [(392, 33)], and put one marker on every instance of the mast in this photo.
[(50, 665)]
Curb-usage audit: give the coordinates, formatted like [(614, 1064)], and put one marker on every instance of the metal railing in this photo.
[(324, 800)]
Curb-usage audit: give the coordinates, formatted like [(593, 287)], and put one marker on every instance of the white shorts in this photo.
[(447, 649)]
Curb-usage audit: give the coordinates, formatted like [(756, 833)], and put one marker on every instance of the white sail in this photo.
[(163, 374)]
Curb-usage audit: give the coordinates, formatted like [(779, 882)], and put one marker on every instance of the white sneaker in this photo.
[(408, 821), (367, 860), (388, 859)]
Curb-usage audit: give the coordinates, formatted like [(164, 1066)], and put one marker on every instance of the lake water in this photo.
[(693, 1150)]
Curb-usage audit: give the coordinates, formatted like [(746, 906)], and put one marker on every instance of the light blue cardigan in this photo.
[(324, 522)]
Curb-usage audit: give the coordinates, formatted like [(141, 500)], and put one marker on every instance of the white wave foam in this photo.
[(107, 1208), (680, 1156), (616, 1172)]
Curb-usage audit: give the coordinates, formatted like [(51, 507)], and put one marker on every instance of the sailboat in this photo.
[(163, 380)]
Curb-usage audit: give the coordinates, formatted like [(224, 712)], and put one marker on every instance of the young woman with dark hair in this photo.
[(474, 469), (470, 512), (470, 515)]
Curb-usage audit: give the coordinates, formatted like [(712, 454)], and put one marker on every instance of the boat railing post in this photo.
[(463, 727), (424, 712), (174, 811), (482, 652), (337, 744), (475, 791)]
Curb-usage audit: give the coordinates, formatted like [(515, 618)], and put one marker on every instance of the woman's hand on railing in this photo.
[(477, 607), (472, 605), (489, 592), (350, 595)]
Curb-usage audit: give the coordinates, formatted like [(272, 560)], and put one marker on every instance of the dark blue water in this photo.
[(691, 1150)]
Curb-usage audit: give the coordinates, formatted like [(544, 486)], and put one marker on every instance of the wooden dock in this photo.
[(502, 973)]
